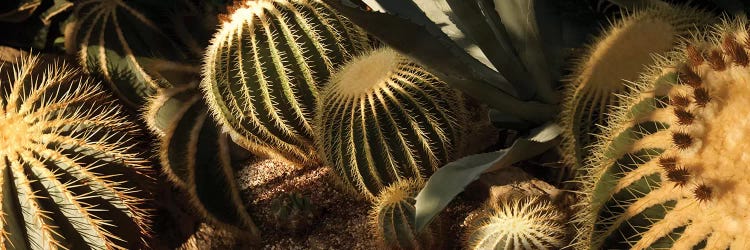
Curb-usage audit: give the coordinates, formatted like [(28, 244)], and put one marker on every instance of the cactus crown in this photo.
[(69, 176), (618, 56), (264, 68), (393, 215), (671, 170), (517, 223)]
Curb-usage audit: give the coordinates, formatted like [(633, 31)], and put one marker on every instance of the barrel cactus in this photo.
[(121, 42), (671, 170), (383, 118), (70, 177), (197, 157), (619, 55), (393, 215), (531, 222), (264, 69), (293, 211)]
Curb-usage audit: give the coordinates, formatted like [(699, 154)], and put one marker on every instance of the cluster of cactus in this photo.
[(530, 222), (264, 70), (616, 58), (392, 218), (383, 118), (197, 157), (671, 170), (293, 211), (70, 177)]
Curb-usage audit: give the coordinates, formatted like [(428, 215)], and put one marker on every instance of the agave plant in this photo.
[(70, 175)]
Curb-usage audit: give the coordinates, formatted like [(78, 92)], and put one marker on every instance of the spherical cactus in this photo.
[(671, 170), (392, 218), (619, 55), (531, 222), (121, 42), (197, 157), (383, 118), (265, 66), (70, 177), (293, 212)]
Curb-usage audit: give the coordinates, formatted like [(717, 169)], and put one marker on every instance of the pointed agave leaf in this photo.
[(22, 11), (197, 157), (117, 41), (451, 179), (58, 6)]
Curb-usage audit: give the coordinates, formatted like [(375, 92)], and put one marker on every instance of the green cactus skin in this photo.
[(265, 66), (671, 170), (121, 43), (392, 218), (531, 222), (196, 156), (619, 55), (70, 177), (383, 118), (293, 212)]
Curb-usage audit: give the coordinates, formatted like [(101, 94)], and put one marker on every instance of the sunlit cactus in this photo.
[(197, 157), (383, 118), (619, 55), (671, 170), (393, 215), (70, 177), (121, 42), (265, 66), (531, 222)]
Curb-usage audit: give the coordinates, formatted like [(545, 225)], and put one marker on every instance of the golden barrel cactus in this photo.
[(392, 218), (264, 69), (672, 170), (70, 177)]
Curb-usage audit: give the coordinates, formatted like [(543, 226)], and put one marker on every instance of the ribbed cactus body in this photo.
[(393, 215), (69, 176), (121, 42), (517, 223), (196, 156), (619, 55), (265, 66), (672, 169), (383, 118), (294, 212)]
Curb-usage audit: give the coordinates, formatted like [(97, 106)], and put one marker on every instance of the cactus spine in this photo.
[(618, 56), (195, 155), (531, 222), (293, 211), (120, 42), (392, 218), (69, 176), (671, 170), (264, 67), (383, 118)]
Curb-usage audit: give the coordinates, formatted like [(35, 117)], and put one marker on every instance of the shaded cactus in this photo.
[(383, 118), (671, 169), (264, 68), (531, 222), (123, 43), (393, 215), (197, 157), (70, 177), (293, 212), (619, 55)]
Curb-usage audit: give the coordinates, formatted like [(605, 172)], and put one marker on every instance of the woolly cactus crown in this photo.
[(672, 170)]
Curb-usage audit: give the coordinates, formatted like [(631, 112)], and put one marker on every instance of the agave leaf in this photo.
[(455, 51), (533, 27), (58, 6), (450, 180), (23, 10)]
